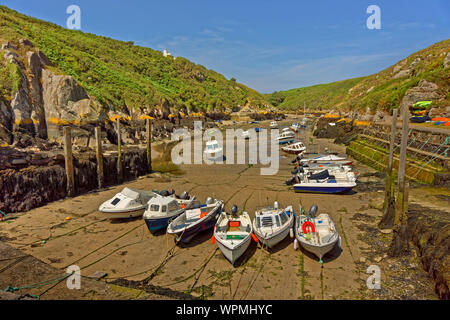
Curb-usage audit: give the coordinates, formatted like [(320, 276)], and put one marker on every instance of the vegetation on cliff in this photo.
[(384, 90), (119, 73)]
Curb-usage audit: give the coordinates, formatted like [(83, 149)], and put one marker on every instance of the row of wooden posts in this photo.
[(68, 155), (401, 201)]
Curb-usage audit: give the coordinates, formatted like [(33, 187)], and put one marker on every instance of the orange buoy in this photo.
[(67, 218), (213, 240), (310, 225), (254, 238)]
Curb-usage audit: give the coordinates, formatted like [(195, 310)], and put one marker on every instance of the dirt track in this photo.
[(126, 249)]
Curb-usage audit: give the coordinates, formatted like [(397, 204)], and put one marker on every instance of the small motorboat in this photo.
[(163, 209), (129, 203), (274, 125), (195, 220), (286, 137), (317, 235), (323, 182), (212, 147), (273, 224), (295, 127), (233, 234), (327, 159), (315, 168), (294, 148)]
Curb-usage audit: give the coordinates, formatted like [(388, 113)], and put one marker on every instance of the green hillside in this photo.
[(383, 90), (119, 73)]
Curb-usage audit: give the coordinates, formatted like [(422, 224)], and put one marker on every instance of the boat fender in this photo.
[(254, 238), (295, 244), (291, 233), (213, 240), (310, 225)]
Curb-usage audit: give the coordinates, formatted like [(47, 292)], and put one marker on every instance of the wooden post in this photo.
[(98, 139), (119, 156), (69, 162), (389, 175), (401, 196), (149, 145)]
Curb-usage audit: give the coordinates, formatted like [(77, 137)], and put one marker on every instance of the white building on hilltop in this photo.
[(166, 53)]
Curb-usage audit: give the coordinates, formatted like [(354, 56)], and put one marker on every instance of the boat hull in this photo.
[(322, 189), (287, 140), (318, 251), (128, 214), (186, 235), (233, 254), (273, 240), (154, 225)]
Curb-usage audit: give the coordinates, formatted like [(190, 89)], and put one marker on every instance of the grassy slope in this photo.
[(119, 73), (378, 91)]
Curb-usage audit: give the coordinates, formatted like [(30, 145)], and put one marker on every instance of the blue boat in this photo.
[(195, 220), (323, 182), (161, 210)]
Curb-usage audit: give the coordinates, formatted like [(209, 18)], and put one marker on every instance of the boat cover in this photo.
[(130, 193), (320, 175)]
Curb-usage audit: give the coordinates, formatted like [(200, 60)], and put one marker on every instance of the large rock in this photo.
[(6, 123), (447, 60), (60, 93), (21, 109), (425, 90), (37, 109)]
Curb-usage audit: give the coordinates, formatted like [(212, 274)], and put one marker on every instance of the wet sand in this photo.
[(126, 250)]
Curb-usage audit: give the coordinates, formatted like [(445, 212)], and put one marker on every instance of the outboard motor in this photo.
[(313, 210), (164, 193), (184, 195), (234, 210), (209, 200)]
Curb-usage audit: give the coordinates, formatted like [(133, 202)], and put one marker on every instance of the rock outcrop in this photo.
[(425, 90)]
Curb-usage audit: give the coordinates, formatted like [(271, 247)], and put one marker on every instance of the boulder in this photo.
[(447, 60), (8, 45), (425, 90), (380, 115), (25, 42), (6, 123), (37, 113), (44, 60), (64, 100)]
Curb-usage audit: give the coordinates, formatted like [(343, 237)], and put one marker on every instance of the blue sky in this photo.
[(267, 45)]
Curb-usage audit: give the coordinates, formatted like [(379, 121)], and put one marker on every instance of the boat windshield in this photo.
[(283, 217), (154, 208), (115, 201)]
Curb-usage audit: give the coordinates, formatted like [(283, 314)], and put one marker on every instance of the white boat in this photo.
[(286, 130), (272, 224), (246, 134), (294, 148), (129, 203), (295, 127), (212, 147), (274, 125), (323, 182), (327, 159), (332, 169), (286, 137), (316, 234), (195, 220), (233, 234), (162, 210)]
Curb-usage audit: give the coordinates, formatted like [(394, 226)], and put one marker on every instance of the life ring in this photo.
[(311, 227)]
